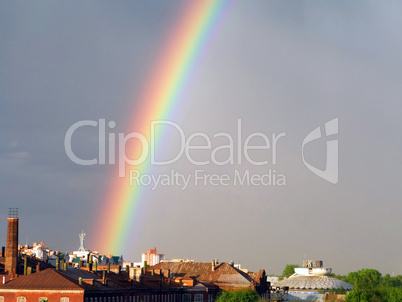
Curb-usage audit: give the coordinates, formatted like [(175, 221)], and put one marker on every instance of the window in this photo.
[(64, 299), (42, 299), (198, 298), (21, 299), (187, 298)]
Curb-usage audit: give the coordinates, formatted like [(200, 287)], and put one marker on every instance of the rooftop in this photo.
[(48, 279), (313, 282), (202, 271), (52, 279)]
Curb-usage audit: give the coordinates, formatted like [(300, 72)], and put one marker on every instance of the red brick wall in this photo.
[(79, 297), (34, 296), (12, 246)]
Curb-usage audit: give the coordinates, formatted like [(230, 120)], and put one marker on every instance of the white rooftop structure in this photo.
[(312, 276), (302, 282), (82, 251), (82, 247)]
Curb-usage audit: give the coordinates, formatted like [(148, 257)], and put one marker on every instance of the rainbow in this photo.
[(168, 78)]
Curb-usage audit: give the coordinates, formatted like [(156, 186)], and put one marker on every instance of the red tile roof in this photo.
[(49, 279), (202, 271), (52, 279)]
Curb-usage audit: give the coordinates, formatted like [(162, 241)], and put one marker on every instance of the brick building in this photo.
[(82, 285), (222, 276), (152, 257)]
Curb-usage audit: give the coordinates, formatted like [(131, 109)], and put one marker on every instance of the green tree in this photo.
[(288, 271), (364, 279), (378, 295), (394, 294), (388, 281), (239, 296), (370, 286)]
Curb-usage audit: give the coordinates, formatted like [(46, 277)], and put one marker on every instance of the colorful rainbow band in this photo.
[(182, 52)]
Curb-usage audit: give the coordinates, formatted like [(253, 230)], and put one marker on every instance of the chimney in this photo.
[(108, 268), (104, 277), (89, 262), (12, 242), (80, 280), (57, 263), (213, 265), (145, 267), (25, 265), (3, 251), (38, 267)]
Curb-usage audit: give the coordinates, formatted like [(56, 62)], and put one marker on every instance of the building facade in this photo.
[(151, 257)]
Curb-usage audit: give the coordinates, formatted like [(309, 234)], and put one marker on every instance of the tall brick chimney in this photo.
[(12, 242)]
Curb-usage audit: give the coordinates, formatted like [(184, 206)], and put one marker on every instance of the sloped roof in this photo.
[(52, 279), (33, 261), (202, 271), (49, 279), (257, 276), (313, 282)]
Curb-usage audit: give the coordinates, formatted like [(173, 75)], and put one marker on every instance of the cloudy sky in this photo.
[(278, 66)]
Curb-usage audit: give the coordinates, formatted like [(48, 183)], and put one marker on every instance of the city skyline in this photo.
[(266, 74)]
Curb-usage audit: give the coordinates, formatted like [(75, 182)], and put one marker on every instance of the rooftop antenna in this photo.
[(82, 236), (13, 213)]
